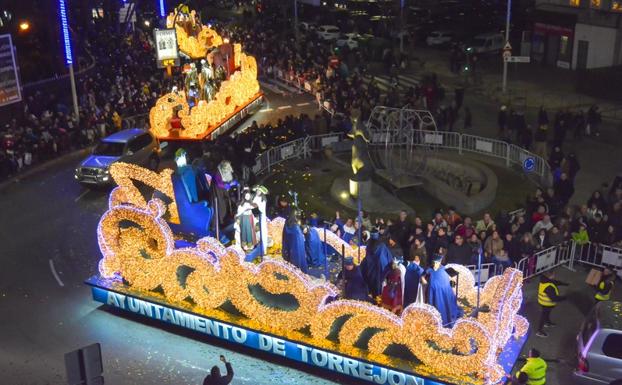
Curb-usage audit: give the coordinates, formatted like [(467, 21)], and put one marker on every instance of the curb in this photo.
[(42, 167)]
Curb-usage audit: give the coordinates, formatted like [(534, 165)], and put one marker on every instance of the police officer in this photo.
[(534, 368), (605, 286), (548, 297)]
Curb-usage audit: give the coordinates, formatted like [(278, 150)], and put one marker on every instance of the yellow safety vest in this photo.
[(544, 299), (603, 297), (535, 369)]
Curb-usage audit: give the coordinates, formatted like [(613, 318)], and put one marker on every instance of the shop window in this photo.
[(616, 6), (575, 3), (565, 49), (595, 3)]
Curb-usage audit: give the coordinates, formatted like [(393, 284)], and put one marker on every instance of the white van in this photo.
[(486, 43)]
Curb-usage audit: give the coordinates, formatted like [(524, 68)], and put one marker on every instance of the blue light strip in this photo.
[(65, 29), (162, 10)]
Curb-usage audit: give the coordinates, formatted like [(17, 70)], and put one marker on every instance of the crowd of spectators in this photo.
[(547, 220), (117, 86)]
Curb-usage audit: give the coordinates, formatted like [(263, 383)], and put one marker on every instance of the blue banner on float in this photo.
[(292, 350)]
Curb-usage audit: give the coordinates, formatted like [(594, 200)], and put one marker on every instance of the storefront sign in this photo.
[(552, 29), (10, 91), (358, 369)]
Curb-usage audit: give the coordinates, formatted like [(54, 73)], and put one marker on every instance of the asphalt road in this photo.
[(48, 247)]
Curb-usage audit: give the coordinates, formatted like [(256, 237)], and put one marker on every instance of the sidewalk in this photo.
[(528, 83), (599, 164)]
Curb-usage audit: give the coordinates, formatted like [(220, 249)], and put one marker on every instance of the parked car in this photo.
[(436, 38), (351, 40), (306, 26), (327, 32), (134, 145), (486, 43), (599, 346)]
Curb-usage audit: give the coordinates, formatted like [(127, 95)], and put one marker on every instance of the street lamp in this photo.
[(64, 24), (24, 26), (507, 41)]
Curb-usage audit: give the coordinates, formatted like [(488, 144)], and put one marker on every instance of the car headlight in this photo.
[(104, 171), (78, 171)]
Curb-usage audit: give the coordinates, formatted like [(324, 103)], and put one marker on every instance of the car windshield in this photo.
[(109, 149)]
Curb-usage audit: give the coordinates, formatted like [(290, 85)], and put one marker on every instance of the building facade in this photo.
[(577, 34)]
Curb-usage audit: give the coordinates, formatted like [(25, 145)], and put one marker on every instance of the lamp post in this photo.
[(64, 24), (401, 26), (507, 40), (296, 21)]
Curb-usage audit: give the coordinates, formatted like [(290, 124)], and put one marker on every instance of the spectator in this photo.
[(543, 224), (459, 252), (493, 245), (214, 378), (485, 224)]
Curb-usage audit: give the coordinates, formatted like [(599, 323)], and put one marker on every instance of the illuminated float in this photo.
[(273, 306), (220, 86)]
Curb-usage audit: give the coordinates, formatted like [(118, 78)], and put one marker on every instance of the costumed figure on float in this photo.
[(314, 247), (376, 263), (393, 290), (413, 282), (224, 181), (354, 284), (245, 235), (260, 201), (440, 293), (293, 247)]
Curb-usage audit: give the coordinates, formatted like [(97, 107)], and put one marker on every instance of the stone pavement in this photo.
[(599, 164), (559, 349)]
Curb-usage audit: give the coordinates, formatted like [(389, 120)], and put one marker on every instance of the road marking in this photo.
[(303, 104), (284, 107), (267, 110), (60, 283), (82, 195)]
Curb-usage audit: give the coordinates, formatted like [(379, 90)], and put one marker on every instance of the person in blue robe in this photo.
[(355, 286), (293, 247), (376, 264), (314, 247), (412, 279), (440, 293)]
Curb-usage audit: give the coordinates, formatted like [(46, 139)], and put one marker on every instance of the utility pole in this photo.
[(296, 21), (507, 40), (402, 26), (64, 24)]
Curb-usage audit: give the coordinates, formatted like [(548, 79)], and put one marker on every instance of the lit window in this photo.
[(616, 6), (595, 3), (575, 3)]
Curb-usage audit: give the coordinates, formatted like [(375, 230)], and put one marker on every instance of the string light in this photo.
[(64, 24), (144, 255)]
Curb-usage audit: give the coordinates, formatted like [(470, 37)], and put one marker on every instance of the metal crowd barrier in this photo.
[(546, 260), (598, 255)]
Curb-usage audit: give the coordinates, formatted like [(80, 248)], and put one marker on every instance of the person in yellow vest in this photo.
[(605, 286), (548, 298), (534, 368)]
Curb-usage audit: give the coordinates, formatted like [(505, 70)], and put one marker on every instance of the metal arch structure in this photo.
[(394, 134)]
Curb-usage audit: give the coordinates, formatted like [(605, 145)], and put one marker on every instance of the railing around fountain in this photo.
[(510, 154)]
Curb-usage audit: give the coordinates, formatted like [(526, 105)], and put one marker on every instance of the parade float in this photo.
[(153, 267), (220, 85)]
